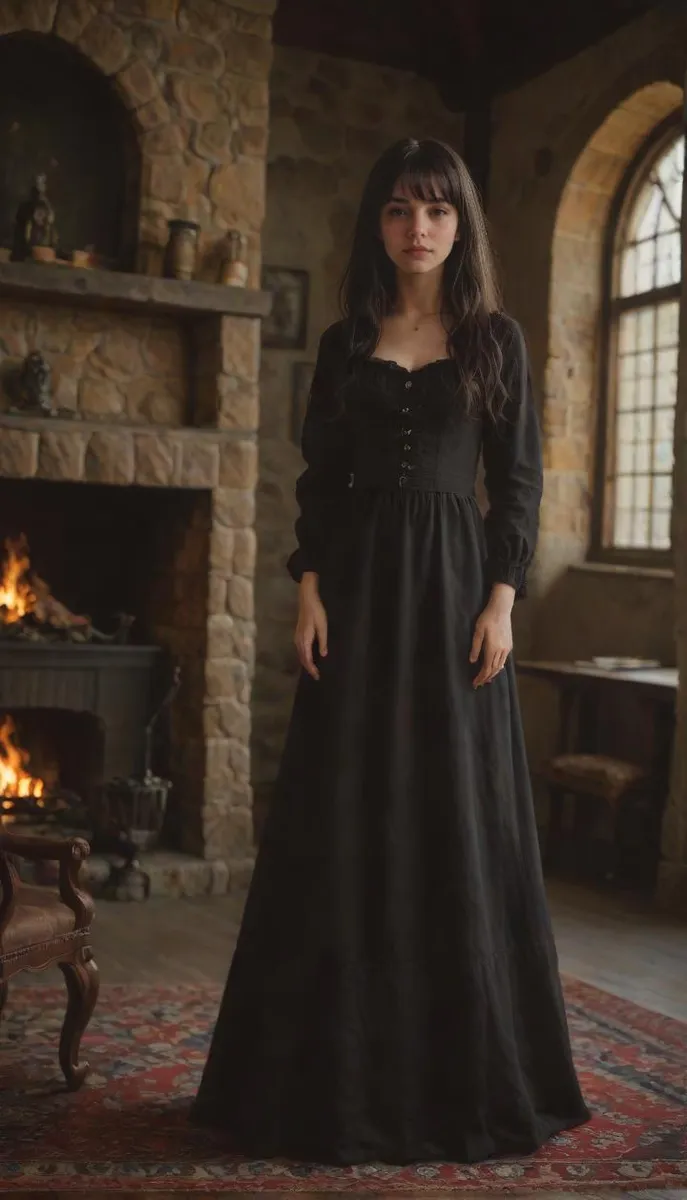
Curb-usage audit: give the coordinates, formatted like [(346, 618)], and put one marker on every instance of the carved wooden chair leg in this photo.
[(83, 983)]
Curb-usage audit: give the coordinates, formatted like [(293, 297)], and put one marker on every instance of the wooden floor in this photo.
[(612, 941)]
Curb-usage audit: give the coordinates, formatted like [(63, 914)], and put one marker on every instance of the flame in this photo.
[(15, 781), (16, 594)]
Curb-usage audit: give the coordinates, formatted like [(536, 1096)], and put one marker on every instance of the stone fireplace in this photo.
[(139, 496)]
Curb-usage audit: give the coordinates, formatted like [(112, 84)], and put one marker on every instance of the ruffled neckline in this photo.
[(390, 362)]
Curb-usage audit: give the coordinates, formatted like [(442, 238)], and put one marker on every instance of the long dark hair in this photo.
[(429, 170)]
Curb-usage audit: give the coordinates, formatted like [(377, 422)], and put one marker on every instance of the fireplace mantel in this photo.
[(122, 292)]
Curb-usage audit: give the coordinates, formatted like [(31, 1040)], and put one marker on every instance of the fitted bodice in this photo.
[(409, 429)]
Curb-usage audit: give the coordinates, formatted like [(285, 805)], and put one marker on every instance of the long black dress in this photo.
[(394, 994)]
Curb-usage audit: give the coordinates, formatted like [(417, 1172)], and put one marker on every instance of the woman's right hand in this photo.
[(311, 624)]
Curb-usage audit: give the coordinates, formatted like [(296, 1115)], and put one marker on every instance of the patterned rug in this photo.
[(127, 1128)]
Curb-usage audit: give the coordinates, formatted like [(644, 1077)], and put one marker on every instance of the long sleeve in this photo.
[(322, 489), (513, 472)]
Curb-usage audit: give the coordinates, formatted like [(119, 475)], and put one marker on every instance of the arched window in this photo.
[(642, 298)]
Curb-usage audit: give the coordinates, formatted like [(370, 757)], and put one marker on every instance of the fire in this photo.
[(17, 597), (15, 781)]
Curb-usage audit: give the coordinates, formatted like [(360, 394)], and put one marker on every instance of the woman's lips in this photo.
[(417, 251)]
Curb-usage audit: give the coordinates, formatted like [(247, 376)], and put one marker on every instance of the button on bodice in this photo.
[(412, 432)]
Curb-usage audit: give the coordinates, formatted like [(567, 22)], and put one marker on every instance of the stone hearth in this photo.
[(157, 380)]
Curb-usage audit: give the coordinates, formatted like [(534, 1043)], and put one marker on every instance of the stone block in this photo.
[(240, 344), (222, 550), (162, 352), (196, 55), (239, 759), (220, 677), (110, 458), (239, 404), (220, 636), (240, 595), (239, 835), (61, 455), (155, 457), (244, 643), (213, 140), (164, 139), (152, 400), (235, 719), (152, 10), (18, 453), (205, 18), (200, 461), (155, 113), (245, 552), (217, 593), (238, 191), (137, 84), (247, 54), (100, 398), (238, 464), (105, 45), (165, 179), (34, 15), (198, 99), (72, 18), (118, 355), (232, 506)]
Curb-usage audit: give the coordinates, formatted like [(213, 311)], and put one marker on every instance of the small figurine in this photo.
[(35, 234), (32, 389), (234, 270)]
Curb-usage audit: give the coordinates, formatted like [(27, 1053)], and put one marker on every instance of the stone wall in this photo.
[(329, 120), (561, 144), (172, 401)]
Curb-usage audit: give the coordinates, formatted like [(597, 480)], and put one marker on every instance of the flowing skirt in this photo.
[(394, 994)]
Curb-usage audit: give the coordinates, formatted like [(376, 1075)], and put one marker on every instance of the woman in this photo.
[(394, 992)]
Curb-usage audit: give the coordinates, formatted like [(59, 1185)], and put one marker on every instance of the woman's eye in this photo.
[(396, 212), (440, 212)]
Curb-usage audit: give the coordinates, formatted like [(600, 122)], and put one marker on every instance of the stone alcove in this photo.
[(62, 117)]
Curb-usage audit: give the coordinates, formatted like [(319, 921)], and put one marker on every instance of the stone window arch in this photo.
[(576, 363), (639, 347)]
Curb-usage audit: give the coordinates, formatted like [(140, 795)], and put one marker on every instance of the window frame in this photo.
[(659, 140)]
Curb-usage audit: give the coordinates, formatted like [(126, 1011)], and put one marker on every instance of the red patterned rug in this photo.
[(127, 1128)]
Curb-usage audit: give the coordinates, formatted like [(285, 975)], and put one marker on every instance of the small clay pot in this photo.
[(182, 247), (44, 254)]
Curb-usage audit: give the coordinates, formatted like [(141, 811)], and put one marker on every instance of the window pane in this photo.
[(668, 317), (649, 253), (642, 491), (622, 532), (645, 393), (660, 530), (627, 333), (625, 457), (668, 259), (647, 259), (623, 491), (627, 393), (640, 528), (663, 491)]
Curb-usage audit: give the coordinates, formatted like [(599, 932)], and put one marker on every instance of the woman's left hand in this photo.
[(493, 637)]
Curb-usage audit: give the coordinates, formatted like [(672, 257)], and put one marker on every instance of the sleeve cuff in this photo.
[(514, 574)]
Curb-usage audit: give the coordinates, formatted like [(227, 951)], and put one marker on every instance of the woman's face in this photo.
[(418, 235)]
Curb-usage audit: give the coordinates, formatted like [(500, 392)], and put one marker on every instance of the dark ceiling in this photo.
[(471, 48)]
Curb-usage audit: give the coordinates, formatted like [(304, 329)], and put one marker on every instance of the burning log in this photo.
[(30, 612)]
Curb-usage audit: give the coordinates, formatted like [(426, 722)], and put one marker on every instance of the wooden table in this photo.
[(584, 689)]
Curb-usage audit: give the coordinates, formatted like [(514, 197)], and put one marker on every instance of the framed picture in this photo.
[(287, 325), (302, 379)]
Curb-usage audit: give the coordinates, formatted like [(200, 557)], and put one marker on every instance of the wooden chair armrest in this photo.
[(69, 852)]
